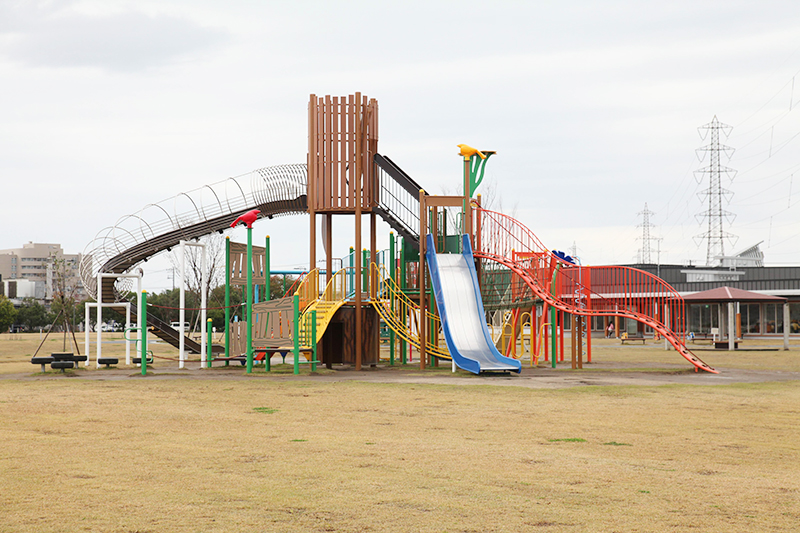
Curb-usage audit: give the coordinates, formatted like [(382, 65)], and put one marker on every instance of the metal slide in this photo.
[(458, 298)]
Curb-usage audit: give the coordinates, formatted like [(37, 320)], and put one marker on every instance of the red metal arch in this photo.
[(638, 295)]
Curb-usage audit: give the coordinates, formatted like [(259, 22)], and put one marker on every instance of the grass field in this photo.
[(227, 452)]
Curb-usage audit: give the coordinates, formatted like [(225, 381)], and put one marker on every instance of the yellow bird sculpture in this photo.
[(468, 151)]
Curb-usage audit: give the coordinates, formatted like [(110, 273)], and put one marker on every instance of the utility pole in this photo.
[(715, 235)]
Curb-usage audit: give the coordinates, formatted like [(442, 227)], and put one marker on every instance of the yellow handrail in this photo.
[(541, 339), (308, 290), (394, 306)]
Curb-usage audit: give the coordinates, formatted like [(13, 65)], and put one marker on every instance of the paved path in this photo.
[(597, 374)]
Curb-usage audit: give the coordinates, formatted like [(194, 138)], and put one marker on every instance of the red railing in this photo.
[(589, 291)]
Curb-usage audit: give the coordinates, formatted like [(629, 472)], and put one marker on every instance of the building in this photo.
[(33, 271)]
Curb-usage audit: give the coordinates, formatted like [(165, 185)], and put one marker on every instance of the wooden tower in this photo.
[(342, 141)]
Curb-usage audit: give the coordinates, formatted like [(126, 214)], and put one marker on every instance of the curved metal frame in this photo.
[(275, 190)]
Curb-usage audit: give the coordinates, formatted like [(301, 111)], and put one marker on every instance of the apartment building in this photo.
[(34, 264)]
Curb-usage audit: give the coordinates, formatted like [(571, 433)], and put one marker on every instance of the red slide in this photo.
[(579, 290)]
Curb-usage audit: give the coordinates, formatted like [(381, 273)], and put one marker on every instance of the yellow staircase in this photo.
[(326, 304)]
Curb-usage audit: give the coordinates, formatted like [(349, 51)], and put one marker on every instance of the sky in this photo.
[(593, 109)]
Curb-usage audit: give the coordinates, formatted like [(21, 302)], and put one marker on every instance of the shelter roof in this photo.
[(731, 294)]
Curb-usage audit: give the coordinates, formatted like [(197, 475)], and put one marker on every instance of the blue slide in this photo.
[(458, 298)]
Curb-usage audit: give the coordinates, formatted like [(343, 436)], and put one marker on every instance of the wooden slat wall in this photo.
[(335, 147), (239, 260), (273, 323)]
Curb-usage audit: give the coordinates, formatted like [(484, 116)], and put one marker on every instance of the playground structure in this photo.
[(340, 321)]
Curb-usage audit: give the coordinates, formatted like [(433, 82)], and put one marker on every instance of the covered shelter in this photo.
[(729, 319)]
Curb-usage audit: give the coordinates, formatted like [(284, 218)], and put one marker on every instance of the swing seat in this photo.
[(108, 361)]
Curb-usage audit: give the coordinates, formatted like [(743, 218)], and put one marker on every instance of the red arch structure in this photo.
[(580, 290)]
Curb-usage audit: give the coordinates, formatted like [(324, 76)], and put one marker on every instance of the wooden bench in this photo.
[(634, 338), (723, 345)]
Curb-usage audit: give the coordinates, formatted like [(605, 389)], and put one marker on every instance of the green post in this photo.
[(249, 328), (227, 298), (296, 333), (143, 325), (402, 285), (352, 269), (392, 269), (208, 343), (314, 340), (365, 270), (267, 273)]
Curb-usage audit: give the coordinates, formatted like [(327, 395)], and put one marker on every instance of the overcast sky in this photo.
[(592, 107)]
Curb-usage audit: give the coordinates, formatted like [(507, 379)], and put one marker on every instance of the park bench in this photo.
[(632, 338), (42, 361), (64, 360), (108, 361), (723, 345)]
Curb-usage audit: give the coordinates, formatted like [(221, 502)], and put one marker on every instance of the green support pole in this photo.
[(267, 273), (143, 325), (227, 298), (249, 300), (392, 269), (365, 271), (208, 343), (352, 269), (296, 333), (314, 340), (402, 284)]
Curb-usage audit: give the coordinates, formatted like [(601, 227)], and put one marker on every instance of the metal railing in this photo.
[(398, 198)]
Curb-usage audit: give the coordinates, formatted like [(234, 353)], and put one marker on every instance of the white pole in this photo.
[(787, 325), (203, 283), (731, 327), (99, 316), (182, 304), (86, 345), (125, 334)]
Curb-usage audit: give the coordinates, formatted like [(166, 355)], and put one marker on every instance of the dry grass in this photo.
[(767, 354), (262, 453)]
